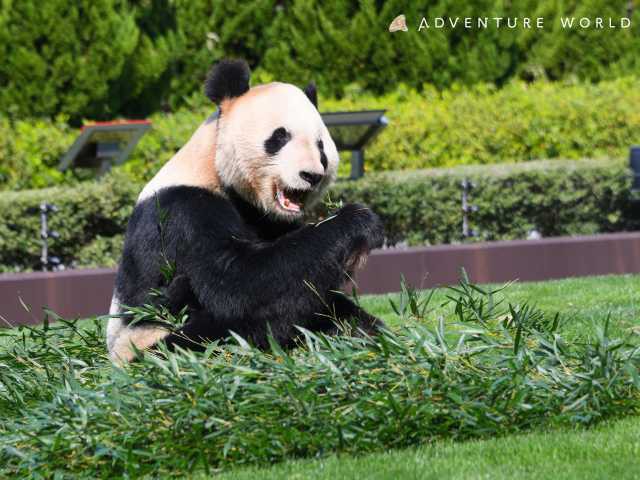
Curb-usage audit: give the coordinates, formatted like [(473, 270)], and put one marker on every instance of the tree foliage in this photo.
[(103, 58), (71, 57)]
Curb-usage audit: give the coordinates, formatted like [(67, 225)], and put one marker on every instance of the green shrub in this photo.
[(83, 59), (585, 53), (86, 212), (420, 207), (100, 252), (519, 122), (353, 36), (103, 58), (341, 42), (208, 31), (553, 197), (30, 152)]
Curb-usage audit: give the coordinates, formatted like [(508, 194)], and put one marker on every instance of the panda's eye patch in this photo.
[(323, 156), (277, 140)]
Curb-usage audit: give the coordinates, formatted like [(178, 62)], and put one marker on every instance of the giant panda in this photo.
[(233, 199)]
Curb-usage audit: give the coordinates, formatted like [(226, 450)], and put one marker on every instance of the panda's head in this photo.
[(272, 147)]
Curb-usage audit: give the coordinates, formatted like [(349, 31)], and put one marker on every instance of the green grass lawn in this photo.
[(64, 390), (609, 451)]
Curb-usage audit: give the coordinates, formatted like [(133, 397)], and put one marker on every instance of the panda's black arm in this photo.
[(234, 276)]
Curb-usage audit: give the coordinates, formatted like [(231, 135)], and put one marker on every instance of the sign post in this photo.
[(102, 145), (353, 131)]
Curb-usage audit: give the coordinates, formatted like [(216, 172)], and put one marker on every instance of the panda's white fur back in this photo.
[(191, 165)]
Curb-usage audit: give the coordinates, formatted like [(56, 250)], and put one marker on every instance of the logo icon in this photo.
[(399, 23)]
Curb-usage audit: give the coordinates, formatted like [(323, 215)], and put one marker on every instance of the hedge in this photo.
[(89, 214), (519, 122), (420, 207), (555, 198), (102, 58)]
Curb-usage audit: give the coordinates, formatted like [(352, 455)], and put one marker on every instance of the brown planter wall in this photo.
[(71, 294), (524, 260), (82, 293)]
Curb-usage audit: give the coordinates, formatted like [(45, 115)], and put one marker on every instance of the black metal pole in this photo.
[(44, 235), (467, 208), (46, 260), (634, 163), (357, 164)]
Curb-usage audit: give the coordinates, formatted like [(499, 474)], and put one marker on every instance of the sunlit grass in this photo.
[(610, 450)]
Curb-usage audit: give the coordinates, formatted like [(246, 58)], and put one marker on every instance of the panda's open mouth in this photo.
[(290, 199)]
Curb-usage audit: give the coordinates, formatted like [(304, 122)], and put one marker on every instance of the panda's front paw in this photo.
[(363, 226)]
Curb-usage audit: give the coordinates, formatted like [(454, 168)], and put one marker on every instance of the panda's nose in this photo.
[(312, 178)]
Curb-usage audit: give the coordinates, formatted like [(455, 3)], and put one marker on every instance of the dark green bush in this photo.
[(86, 58), (99, 59), (421, 207), (553, 197), (86, 212), (208, 31), (354, 37), (519, 122), (586, 53)]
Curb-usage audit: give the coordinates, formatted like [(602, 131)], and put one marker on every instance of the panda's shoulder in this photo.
[(189, 205), (188, 195)]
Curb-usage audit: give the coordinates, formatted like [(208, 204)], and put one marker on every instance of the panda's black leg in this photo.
[(177, 294), (189, 336), (199, 326), (199, 329)]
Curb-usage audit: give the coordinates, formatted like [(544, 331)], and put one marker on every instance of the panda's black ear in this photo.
[(311, 92), (227, 79)]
